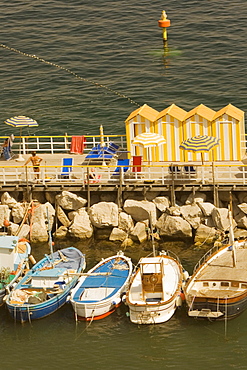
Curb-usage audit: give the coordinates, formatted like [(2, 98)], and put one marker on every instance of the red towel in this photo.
[(77, 144)]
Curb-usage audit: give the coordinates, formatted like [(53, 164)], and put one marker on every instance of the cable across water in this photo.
[(33, 56)]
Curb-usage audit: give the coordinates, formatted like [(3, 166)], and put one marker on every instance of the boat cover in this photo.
[(74, 257)]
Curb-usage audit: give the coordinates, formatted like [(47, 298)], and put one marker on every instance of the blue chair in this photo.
[(67, 164), (114, 147), (121, 162)]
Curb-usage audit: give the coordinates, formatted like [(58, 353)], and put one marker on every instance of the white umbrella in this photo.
[(148, 140)]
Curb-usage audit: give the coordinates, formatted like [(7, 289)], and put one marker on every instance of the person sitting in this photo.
[(6, 150), (7, 145), (93, 177)]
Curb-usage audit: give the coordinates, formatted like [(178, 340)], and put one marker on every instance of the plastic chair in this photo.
[(121, 162), (67, 164)]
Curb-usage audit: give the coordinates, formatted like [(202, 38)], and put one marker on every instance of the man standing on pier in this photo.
[(35, 162)]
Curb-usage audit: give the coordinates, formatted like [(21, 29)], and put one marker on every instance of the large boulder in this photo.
[(139, 232), (62, 217), (173, 226), (221, 219), (4, 214), (240, 233), (243, 207), (241, 220), (38, 232), (24, 231), (118, 235), (81, 226), (125, 222), (174, 211), (70, 201), (6, 199), (141, 210), (162, 203), (61, 232), (13, 228), (104, 214), (197, 197), (192, 213), (18, 212), (41, 221), (205, 235), (206, 207), (43, 213)]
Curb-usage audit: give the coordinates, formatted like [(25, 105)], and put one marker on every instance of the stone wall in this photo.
[(194, 217)]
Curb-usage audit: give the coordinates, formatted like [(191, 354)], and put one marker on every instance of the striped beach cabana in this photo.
[(139, 121), (198, 121), (169, 123), (228, 125)]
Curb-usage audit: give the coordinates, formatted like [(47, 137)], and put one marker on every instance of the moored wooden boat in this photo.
[(14, 254), (98, 293), (217, 289), (45, 288), (155, 289)]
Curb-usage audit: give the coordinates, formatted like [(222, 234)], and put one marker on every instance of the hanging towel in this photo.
[(77, 144)]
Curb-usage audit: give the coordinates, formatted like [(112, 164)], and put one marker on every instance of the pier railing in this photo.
[(59, 144), (228, 174)]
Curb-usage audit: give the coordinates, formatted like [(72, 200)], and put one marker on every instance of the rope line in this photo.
[(33, 56)]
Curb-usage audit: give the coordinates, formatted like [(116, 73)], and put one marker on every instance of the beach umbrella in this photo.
[(200, 143), (20, 122), (148, 140)]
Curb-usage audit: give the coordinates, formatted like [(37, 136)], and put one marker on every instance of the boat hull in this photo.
[(213, 309), (155, 314), (88, 312), (29, 312)]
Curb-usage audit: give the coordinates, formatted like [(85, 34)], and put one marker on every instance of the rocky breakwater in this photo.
[(194, 217)]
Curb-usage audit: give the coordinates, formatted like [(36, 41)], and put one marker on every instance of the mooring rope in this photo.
[(33, 56)]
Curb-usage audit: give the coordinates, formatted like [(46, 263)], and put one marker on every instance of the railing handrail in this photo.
[(208, 254)]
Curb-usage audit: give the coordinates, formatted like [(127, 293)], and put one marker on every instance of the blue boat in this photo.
[(99, 292), (14, 253), (45, 288)]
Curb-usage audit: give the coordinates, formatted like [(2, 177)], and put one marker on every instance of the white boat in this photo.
[(14, 253), (155, 290), (99, 291)]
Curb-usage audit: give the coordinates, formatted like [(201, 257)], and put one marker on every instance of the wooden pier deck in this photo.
[(224, 175), (209, 177)]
